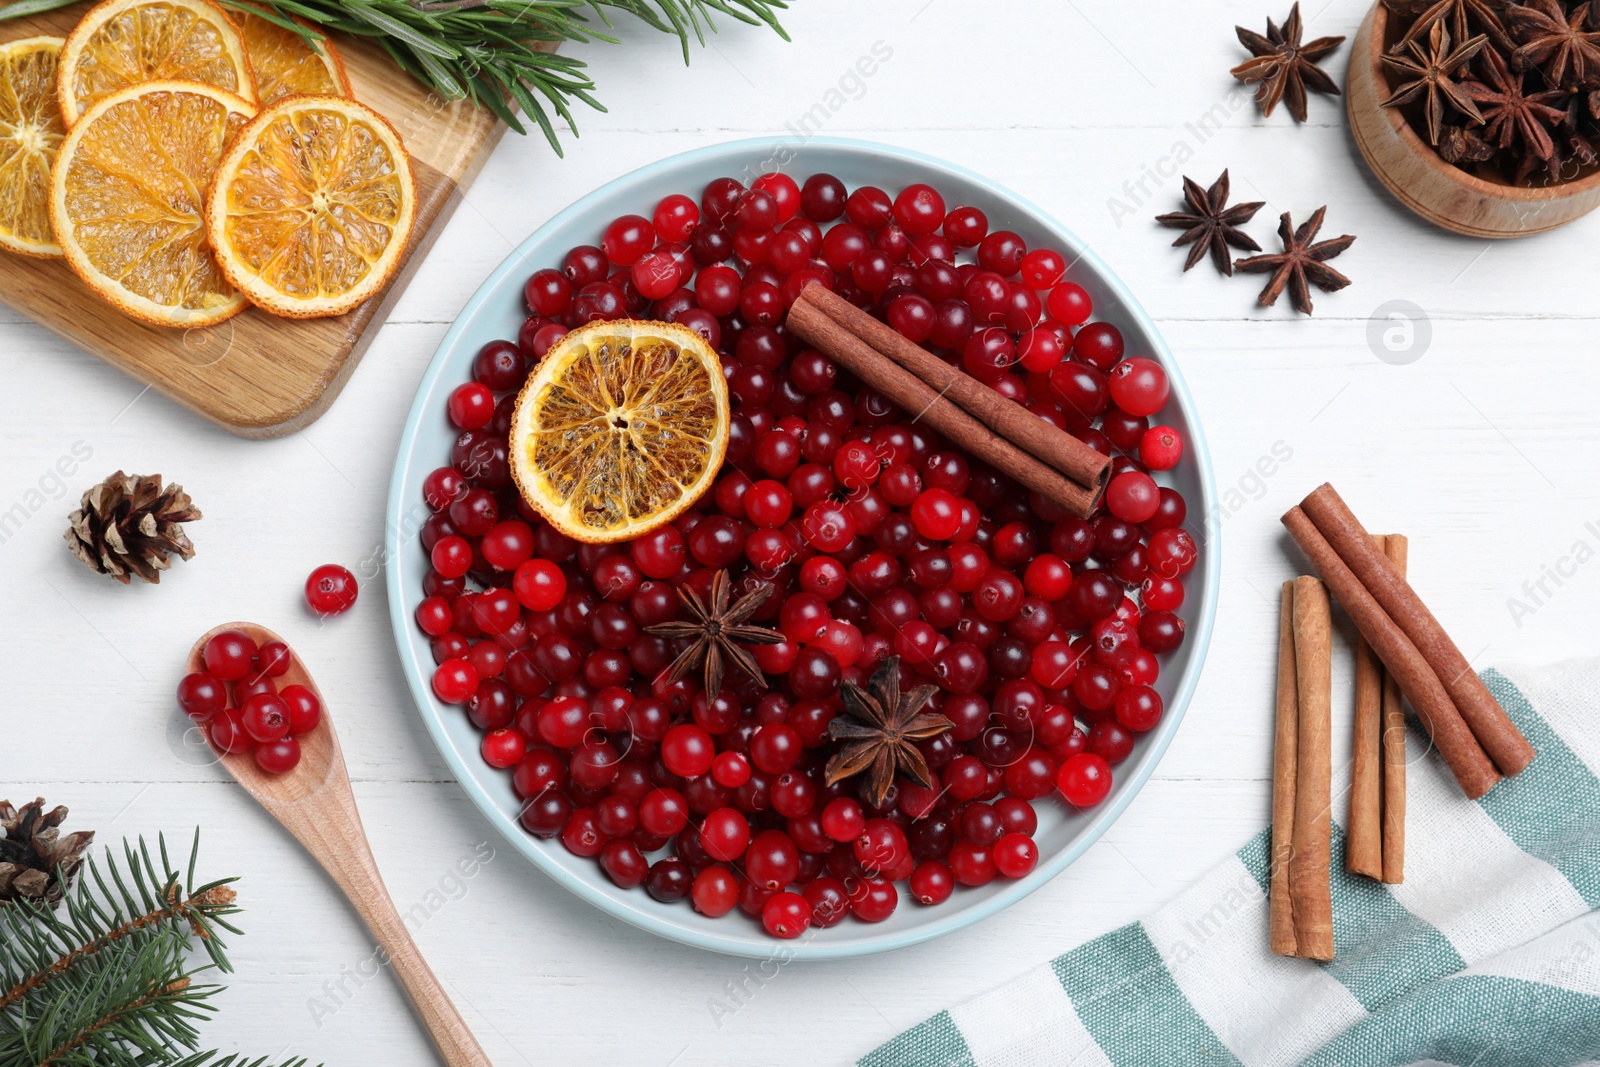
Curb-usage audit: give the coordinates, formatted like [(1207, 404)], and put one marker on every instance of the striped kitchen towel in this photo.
[(1487, 956)]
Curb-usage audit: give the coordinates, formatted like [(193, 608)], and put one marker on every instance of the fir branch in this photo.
[(119, 1019), (133, 1004), (110, 982), (37, 945), (487, 51)]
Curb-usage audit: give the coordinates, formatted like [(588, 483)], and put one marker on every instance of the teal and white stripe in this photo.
[(1487, 956)]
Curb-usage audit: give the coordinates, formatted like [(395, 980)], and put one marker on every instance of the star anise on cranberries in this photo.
[(1555, 41), (1510, 113), (1283, 68), (717, 632), (1432, 72), (1300, 262), (1210, 225), (879, 731)]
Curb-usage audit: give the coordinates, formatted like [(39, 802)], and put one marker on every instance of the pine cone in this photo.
[(129, 525), (36, 862)]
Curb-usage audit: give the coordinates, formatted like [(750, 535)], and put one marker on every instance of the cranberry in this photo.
[(265, 717), (1085, 779), (786, 915), (725, 834), (1099, 344), (1069, 303), (1160, 448), (305, 710), (822, 198), (229, 655), (1161, 631), (1002, 252), (771, 860), (201, 695), (932, 883), (919, 209), (1015, 855), (279, 756), (1139, 386), (688, 750), (874, 900), (627, 239), (715, 891), (869, 207), (971, 864), (663, 812)]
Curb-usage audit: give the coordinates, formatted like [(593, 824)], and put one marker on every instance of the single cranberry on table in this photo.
[(331, 589)]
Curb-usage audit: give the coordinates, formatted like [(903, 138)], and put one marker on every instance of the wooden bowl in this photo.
[(1441, 192)]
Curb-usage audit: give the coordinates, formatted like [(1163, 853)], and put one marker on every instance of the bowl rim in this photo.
[(754, 944), (1378, 19)]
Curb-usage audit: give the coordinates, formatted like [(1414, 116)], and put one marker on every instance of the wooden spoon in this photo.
[(315, 804)]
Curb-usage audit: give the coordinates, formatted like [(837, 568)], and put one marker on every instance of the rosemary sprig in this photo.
[(486, 50)]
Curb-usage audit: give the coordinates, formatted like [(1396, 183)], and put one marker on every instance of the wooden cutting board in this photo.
[(257, 375)]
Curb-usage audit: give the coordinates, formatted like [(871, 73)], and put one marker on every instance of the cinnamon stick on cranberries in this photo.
[(973, 416)]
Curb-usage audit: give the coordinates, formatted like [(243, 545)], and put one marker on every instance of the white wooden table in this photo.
[(1483, 450)]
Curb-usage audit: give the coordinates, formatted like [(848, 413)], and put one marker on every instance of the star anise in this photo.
[(1283, 68), (1209, 225), (879, 730), (1508, 112), (1457, 144), (1463, 14), (1300, 262), (1432, 71), (1554, 41), (717, 632)]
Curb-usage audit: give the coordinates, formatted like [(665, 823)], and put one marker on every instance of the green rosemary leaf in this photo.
[(19, 8), (442, 80), (395, 28), (530, 106)]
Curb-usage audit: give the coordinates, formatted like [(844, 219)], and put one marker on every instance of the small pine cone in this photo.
[(38, 862), (129, 525)]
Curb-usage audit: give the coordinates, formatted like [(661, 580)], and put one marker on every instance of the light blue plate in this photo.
[(496, 310)]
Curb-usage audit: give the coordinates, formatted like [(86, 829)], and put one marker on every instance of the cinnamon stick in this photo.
[(1005, 417), (1456, 744), (1394, 751), (1487, 720), (924, 402), (1363, 849), (1310, 892), (1286, 724)]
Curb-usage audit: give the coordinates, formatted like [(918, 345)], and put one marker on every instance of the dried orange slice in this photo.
[(312, 206), (127, 200), (285, 65), (122, 43), (621, 427), (30, 132)]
